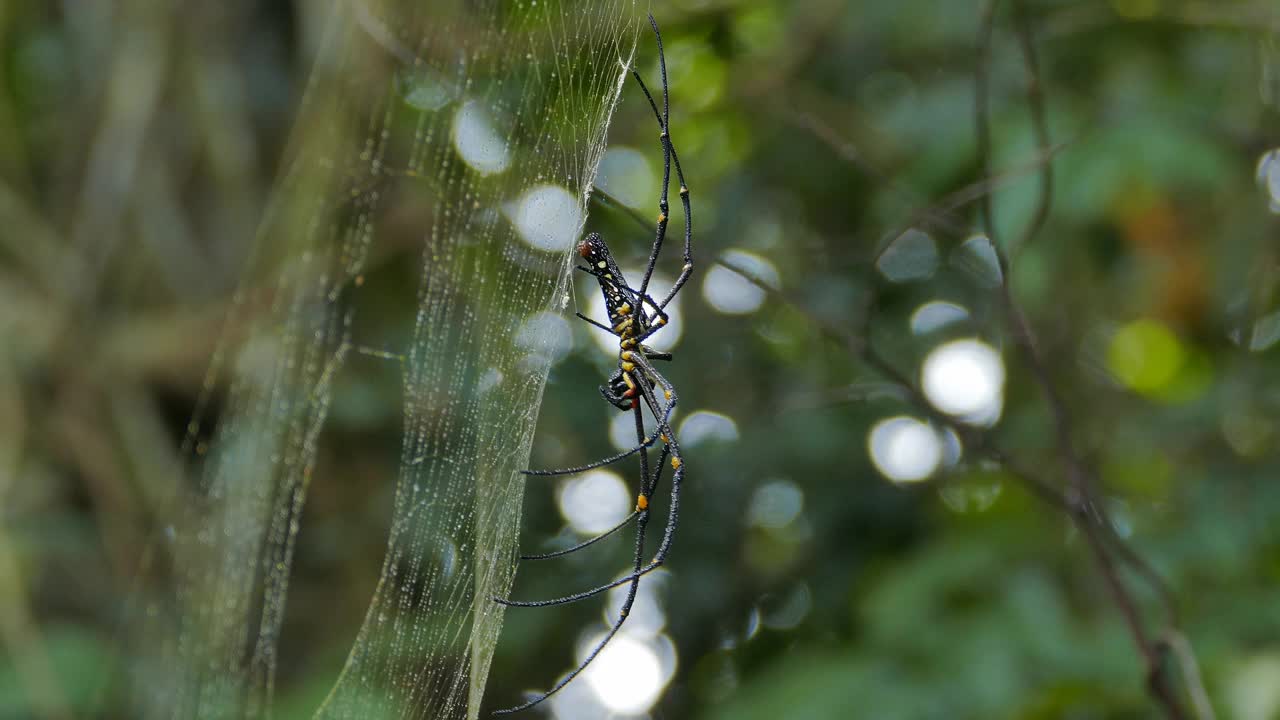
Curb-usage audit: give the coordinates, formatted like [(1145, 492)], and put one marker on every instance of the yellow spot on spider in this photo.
[(628, 367), (631, 384), (626, 355), (607, 276), (684, 190), (663, 437), (660, 321), (602, 264), (662, 217), (624, 308), (642, 503), (667, 393), (675, 463)]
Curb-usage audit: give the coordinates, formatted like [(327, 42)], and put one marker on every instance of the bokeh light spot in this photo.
[(627, 674), (706, 426), (905, 449), (626, 176), (547, 334), (965, 378), (622, 427), (423, 89), (977, 258), (547, 217), (913, 255), (775, 504), (1145, 356), (476, 141), (1266, 331), (731, 293), (647, 617), (594, 501), (1269, 177), (936, 315)]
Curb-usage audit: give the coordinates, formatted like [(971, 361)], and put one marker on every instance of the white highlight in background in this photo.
[(729, 292), (628, 675), (647, 618), (1269, 177), (594, 501), (477, 142), (775, 505), (622, 429), (965, 378), (904, 449), (547, 334), (546, 217), (936, 315), (625, 174), (705, 426)]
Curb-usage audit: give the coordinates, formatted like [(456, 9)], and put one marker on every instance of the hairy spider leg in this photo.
[(642, 516), (669, 157), (648, 442), (668, 148), (625, 611), (657, 477), (664, 136), (678, 466), (585, 543)]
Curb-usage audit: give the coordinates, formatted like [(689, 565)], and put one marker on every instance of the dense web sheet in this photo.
[(472, 130)]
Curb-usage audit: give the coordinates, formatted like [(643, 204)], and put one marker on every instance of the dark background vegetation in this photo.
[(138, 146)]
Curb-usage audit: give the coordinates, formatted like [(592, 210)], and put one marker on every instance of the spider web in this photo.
[(472, 130)]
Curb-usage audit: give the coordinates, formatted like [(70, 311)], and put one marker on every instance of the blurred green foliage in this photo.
[(812, 134)]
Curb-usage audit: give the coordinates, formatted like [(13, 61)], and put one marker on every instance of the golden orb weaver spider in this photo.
[(634, 316)]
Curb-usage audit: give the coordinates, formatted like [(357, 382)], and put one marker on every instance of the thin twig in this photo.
[(1181, 647), (973, 439), (1088, 514)]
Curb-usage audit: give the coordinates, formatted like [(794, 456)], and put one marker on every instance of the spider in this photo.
[(634, 316)]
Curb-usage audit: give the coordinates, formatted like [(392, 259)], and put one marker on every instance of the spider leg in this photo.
[(658, 558), (649, 441), (654, 354), (657, 477), (600, 325), (586, 543), (625, 610), (665, 418), (673, 512), (668, 391), (665, 136), (669, 157)]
